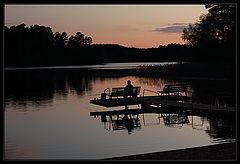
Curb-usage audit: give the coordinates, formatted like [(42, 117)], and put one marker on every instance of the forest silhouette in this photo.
[(212, 39)]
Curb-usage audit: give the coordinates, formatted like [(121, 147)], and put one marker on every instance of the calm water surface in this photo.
[(47, 116)]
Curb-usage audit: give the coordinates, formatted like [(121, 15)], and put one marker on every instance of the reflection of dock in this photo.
[(166, 110), (175, 120), (129, 119)]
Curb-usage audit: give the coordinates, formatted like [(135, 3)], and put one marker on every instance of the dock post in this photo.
[(143, 120), (125, 101)]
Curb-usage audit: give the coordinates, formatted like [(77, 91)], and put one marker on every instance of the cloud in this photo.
[(173, 28), (178, 23)]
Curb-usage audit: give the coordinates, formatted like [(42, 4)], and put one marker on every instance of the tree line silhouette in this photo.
[(211, 39), (39, 46)]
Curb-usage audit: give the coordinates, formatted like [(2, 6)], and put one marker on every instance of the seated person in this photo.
[(128, 90)]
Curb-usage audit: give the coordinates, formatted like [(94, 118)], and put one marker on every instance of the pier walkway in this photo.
[(168, 100), (182, 102)]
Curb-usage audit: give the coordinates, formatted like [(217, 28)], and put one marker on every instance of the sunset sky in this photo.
[(141, 26)]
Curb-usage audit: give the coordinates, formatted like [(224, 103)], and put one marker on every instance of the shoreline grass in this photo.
[(214, 70)]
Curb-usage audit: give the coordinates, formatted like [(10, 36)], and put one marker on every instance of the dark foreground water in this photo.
[(47, 116)]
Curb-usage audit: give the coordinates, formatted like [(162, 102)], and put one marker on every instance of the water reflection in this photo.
[(175, 120), (57, 132), (38, 87), (222, 128), (215, 92), (121, 122), (19, 151), (151, 81), (219, 128)]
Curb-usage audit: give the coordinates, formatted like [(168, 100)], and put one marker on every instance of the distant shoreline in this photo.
[(94, 66), (225, 151), (174, 70)]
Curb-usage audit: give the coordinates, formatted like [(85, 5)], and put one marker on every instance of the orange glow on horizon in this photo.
[(140, 26)]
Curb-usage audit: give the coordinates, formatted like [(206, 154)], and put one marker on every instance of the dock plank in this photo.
[(160, 100)]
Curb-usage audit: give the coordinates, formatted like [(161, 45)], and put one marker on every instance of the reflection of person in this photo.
[(128, 90), (129, 124)]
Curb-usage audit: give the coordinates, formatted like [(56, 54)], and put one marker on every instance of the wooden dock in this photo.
[(135, 101), (161, 101), (161, 104), (117, 102)]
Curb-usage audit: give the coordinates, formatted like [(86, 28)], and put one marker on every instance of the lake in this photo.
[(47, 114)]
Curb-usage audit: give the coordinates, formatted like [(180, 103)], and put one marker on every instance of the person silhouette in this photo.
[(128, 90)]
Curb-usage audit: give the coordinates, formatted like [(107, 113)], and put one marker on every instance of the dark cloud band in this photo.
[(173, 28), (178, 23)]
